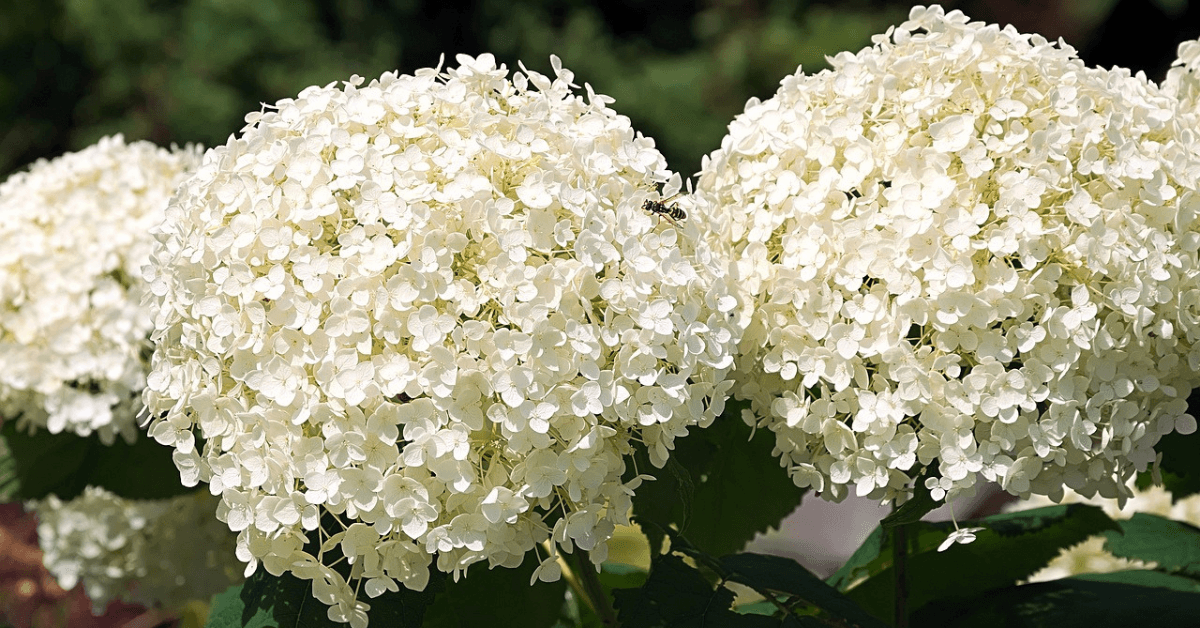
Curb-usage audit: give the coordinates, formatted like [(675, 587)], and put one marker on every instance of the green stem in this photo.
[(568, 574), (595, 592), (900, 571)]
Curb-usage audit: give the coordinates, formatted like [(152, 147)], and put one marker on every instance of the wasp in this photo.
[(661, 209)]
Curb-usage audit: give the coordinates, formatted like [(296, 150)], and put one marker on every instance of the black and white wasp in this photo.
[(660, 208)]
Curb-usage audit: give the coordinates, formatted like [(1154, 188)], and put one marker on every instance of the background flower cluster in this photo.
[(155, 553), (74, 234)]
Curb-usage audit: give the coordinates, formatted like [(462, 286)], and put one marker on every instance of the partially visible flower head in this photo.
[(74, 234), (962, 247), (432, 307), (29, 594), (155, 553), (1090, 555), (1182, 82)]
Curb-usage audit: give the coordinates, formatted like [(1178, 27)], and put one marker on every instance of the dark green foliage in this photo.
[(921, 504), (974, 585), (497, 597), (1180, 467), (1146, 578), (1174, 545), (1013, 546), (720, 487), (266, 601), (42, 464), (682, 594), (676, 595), (37, 94), (189, 71), (664, 502), (1111, 600), (618, 576), (577, 613), (782, 575), (34, 466)]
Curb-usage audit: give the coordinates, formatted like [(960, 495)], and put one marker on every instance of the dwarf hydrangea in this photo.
[(969, 255), (74, 235), (1090, 556), (160, 553), (432, 307)]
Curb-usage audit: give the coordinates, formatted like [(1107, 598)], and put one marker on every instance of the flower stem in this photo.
[(900, 571), (595, 592), (576, 587), (568, 574)]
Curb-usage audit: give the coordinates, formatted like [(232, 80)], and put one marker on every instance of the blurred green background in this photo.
[(189, 70)]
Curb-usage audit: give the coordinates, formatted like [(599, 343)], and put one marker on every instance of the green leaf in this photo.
[(721, 487), (921, 504), (1179, 486), (1108, 600), (266, 601), (744, 490), (665, 502), (64, 464), (805, 595), (1174, 545), (1146, 578), (767, 609), (621, 576), (775, 573), (497, 597), (862, 563), (143, 470), (761, 607), (41, 464), (677, 595), (1013, 546)]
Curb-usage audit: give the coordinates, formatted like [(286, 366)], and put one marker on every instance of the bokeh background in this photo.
[(184, 71), (187, 71)]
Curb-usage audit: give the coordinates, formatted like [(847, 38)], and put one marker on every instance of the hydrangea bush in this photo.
[(969, 256), (155, 553), (74, 235), (430, 307), (407, 326)]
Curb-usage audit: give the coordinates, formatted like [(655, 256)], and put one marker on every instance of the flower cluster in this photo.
[(74, 235), (1090, 556), (431, 307), (154, 553), (969, 255), (30, 597)]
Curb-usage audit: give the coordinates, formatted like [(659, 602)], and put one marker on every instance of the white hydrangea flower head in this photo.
[(160, 553), (1090, 556), (74, 235), (432, 307), (962, 246)]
